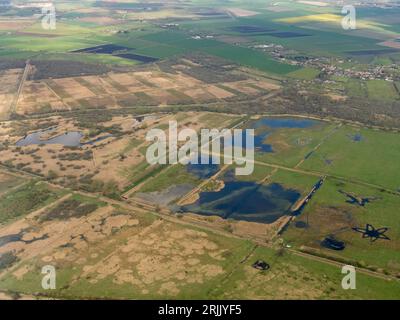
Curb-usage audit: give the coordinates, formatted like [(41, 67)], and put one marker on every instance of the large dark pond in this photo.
[(204, 171), (249, 201), (118, 51)]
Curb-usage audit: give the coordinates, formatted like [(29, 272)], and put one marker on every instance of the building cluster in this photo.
[(332, 66)]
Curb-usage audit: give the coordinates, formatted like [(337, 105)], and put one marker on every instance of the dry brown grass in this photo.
[(152, 256), (115, 158), (390, 44), (101, 20), (9, 80), (15, 24), (115, 90)]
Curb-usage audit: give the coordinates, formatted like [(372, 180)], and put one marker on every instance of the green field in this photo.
[(9, 181), (290, 146), (131, 230), (292, 180), (305, 74), (177, 173), (307, 279), (329, 213), (290, 276), (371, 160), (25, 199), (378, 89), (356, 88), (250, 58), (259, 173)]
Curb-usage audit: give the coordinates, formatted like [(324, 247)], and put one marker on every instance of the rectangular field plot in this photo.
[(359, 154), (250, 58), (9, 181), (380, 89), (259, 174), (295, 277), (334, 211), (185, 82), (26, 199), (9, 80)]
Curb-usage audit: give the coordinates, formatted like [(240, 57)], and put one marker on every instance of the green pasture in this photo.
[(329, 214), (372, 159)]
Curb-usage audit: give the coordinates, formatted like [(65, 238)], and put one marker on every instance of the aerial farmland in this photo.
[(78, 192)]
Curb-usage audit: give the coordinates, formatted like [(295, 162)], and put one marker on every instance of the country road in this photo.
[(14, 104), (134, 204), (340, 264), (166, 215)]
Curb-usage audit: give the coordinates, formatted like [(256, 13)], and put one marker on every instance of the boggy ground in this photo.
[(106, 251), (111, 164)]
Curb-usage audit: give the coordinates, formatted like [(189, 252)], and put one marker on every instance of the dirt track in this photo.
[(339, 264), (164, 215), (21, 86)]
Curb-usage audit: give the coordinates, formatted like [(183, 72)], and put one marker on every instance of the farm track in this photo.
[(56, 94), (328, 175), (128, 193), (135, 205), (35, 213), (272, 165), (340, 264), (186, 106), (269, 176), (14, 104), (334, 130), (196, 224), (145, 208), (241, 262), (201, 185)]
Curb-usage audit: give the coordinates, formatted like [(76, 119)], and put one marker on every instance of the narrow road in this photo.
[(197, 224), (164, 214), (128, 193), (201, 185), (320, 144), (340, 264), (216, 104), (14, 104)]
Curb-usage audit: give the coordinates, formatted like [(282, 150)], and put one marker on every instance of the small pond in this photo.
[(68, 139)]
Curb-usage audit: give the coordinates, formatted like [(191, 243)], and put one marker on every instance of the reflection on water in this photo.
[(206, 170), (68, 139), (264, 127), (10, 238), (244, 200), (249, 201), (277, 123)]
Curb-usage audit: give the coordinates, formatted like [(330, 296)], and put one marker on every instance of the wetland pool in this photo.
[(248, 201), (67, 139)]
